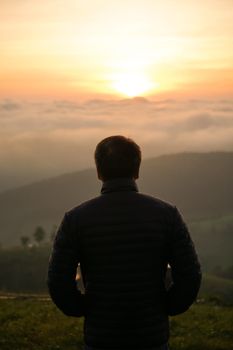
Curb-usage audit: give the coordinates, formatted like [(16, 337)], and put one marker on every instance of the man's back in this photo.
[(124, 241)]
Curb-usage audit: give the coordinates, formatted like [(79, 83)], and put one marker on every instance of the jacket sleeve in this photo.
[(62, 270), (185, 268)]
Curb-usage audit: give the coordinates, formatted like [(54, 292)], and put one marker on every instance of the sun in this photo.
[(132, 85)]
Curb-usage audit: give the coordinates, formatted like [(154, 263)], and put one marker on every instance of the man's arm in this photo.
[(185, 268), (62, 273)]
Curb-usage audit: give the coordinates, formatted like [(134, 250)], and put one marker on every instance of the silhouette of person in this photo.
[(123, 241)]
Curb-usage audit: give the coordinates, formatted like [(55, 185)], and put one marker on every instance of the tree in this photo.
[(39, 234), (25, 241)]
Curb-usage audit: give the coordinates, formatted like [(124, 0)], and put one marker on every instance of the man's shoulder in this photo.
[(142, 200), (85, 205), (144, 197), (155, 201)]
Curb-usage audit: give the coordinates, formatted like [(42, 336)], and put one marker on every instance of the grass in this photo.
[(203, 327), (36, 324)]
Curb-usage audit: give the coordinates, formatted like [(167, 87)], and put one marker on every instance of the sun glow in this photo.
[(132, 85)]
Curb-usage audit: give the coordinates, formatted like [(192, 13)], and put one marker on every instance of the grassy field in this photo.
[(35, 324), (220, 288)]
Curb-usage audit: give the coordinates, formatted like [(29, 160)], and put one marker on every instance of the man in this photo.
[(124, 241)]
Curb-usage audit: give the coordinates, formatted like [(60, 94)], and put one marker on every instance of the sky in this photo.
[(80, 48), (71, 70)]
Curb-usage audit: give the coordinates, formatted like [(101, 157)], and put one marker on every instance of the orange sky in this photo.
[(68, 67), (116, 48)]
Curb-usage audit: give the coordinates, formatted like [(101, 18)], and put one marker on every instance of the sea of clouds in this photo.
[(40, 139)]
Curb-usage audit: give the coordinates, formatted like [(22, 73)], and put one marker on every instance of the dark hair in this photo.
[(117, 156)]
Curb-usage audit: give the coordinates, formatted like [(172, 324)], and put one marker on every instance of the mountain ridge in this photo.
[(52, 177), (200, 184)]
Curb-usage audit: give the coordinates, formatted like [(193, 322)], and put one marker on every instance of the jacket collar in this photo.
[(118, 185)]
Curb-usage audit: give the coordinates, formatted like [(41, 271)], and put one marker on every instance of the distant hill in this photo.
[(200, 184), (217, 287)]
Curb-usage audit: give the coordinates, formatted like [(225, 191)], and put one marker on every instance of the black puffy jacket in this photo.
[(124, 241)]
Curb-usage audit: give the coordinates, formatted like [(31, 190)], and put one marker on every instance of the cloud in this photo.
[(202, 122), (9, 105), (45, 138)]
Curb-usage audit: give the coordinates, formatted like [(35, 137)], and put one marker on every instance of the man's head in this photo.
[(117, 157)]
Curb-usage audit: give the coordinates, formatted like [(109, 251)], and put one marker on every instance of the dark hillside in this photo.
[(199, 184)]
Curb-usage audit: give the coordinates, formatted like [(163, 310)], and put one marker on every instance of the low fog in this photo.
[(40, 139)]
